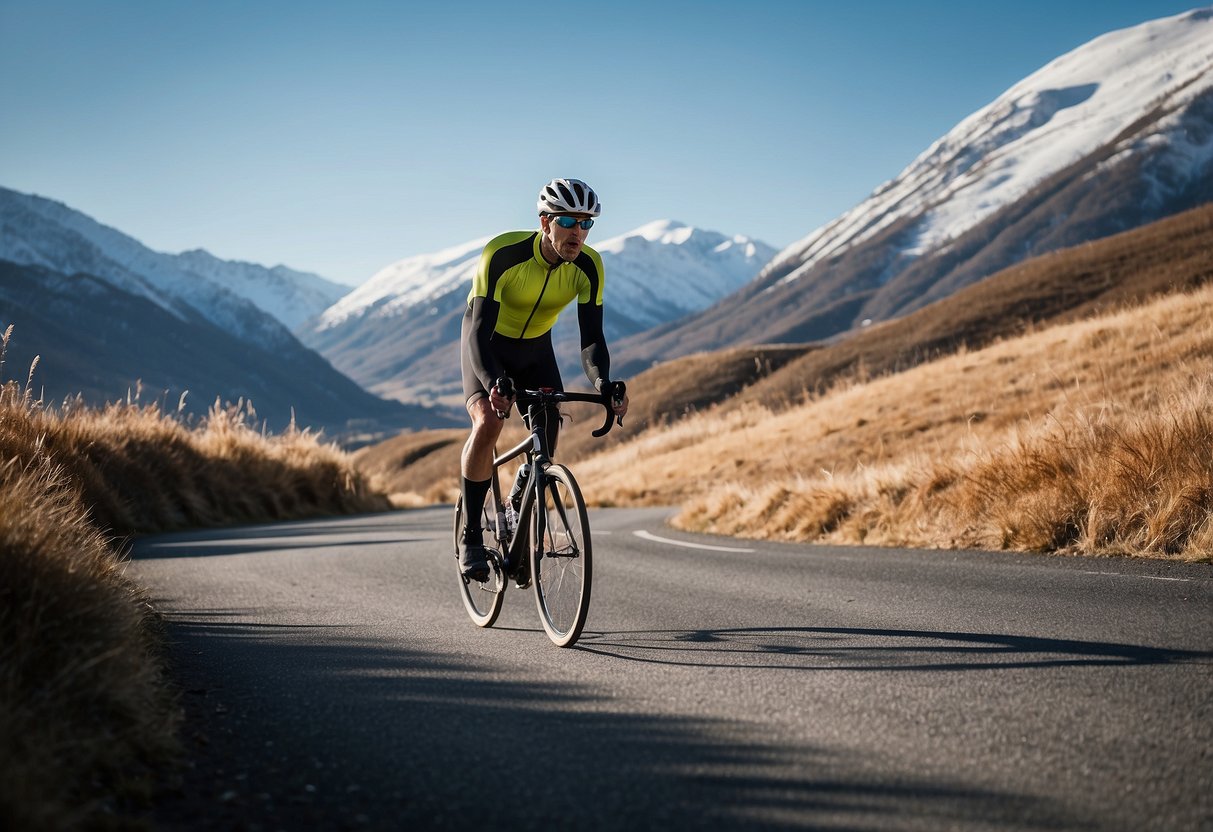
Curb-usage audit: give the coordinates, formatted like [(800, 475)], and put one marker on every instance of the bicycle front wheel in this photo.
[(561, 558), (481, 599)]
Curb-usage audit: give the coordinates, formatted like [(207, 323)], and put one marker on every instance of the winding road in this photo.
[(332, 680)]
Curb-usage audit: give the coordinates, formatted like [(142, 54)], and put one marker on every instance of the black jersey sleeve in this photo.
[(595, 359), (484, 320)]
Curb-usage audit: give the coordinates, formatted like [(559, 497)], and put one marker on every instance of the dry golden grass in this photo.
[(415, 469), (86, 718), (1088, 437), (140, 470)]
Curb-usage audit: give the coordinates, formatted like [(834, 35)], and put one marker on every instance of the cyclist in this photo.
[(524, 280)]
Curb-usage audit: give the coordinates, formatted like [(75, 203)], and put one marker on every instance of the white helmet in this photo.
[(568, 196)]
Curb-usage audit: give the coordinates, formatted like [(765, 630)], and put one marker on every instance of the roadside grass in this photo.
[(87, 714), (1089, 437)]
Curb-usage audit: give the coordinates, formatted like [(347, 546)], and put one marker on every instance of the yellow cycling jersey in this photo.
[(531, 291)]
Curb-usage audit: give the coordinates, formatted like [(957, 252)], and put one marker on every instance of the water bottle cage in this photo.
[(519, 487)]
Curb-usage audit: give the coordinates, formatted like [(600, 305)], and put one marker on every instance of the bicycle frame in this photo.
[(537, 455)]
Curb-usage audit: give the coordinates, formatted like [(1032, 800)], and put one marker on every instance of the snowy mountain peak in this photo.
[(1077, 103), (658, 231), (661, 269), (407, 283), (673, 232), (43, 232)]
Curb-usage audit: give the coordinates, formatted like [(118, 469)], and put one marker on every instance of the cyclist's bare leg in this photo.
[(476, 467), (477, 460)]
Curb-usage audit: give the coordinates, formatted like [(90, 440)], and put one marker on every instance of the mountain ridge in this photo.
[(1108, 164), (168, 325), (37, 230)]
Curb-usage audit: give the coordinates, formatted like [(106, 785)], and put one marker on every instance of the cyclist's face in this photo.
[(566, 241)]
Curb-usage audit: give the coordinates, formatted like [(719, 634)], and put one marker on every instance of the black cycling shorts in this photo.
[(529, 362)]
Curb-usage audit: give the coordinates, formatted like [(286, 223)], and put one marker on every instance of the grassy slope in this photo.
[(86, 715), (1091, 436), (1129, 268)]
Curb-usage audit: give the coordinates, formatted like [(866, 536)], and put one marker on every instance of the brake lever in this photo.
[(504, 386), (617, 399), (610, 404)]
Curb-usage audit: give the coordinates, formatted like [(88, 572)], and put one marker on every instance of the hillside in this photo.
[(106, 312), (1169, 255), (1111, 136), (1092, 436), (100, 342), (253, 302)]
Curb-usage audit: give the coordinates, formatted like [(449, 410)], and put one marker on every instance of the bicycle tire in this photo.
[(482, 600), (561, 557)]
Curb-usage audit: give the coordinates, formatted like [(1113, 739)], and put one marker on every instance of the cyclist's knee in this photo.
[(484, 420)]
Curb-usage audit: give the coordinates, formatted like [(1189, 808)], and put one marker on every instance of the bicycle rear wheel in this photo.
[(561, 558), (482, 600)]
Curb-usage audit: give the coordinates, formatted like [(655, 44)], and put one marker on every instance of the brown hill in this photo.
[(1091, 436), (1170, 255)]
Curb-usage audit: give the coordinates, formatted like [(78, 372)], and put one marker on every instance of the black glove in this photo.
[(615, 389)]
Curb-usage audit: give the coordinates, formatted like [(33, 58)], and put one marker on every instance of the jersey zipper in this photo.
[(546, 278)]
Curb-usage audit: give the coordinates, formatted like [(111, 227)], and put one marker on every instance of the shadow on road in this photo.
[(322, 728), (346, 532), (851, 649)]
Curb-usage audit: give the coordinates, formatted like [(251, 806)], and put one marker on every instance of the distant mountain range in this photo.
[(1108, 137), (105, 312), (398, 333)]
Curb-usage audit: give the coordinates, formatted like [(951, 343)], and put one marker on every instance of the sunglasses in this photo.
[(569, 222)]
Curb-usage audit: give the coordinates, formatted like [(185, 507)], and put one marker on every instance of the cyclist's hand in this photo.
[(501, 397), (618, 391)]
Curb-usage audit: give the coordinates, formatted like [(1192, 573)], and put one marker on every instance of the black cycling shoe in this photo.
[(473, 557)]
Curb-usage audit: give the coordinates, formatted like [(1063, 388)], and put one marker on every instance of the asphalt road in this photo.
[(333, 681)]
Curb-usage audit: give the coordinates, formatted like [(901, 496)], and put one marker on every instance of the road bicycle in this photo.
[(541, 528)]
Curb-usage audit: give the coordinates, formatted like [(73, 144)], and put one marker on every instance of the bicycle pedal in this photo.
[(522, 576)]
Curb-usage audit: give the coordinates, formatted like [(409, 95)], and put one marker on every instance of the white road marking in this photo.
[(1146, 577), (646, 536)]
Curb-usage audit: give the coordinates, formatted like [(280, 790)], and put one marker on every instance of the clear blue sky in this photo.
[(340, 137)]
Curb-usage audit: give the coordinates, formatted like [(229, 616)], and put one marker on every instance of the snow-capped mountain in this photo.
[(290, 296), (1082, 101), (405, 284), (666, 269), (106, 313), (1114, 134), (398, 333), (43, 232)]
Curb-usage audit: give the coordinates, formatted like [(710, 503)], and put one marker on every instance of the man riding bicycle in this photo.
[(524, 280)]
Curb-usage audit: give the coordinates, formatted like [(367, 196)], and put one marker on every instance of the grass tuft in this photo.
[(87, 717)]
